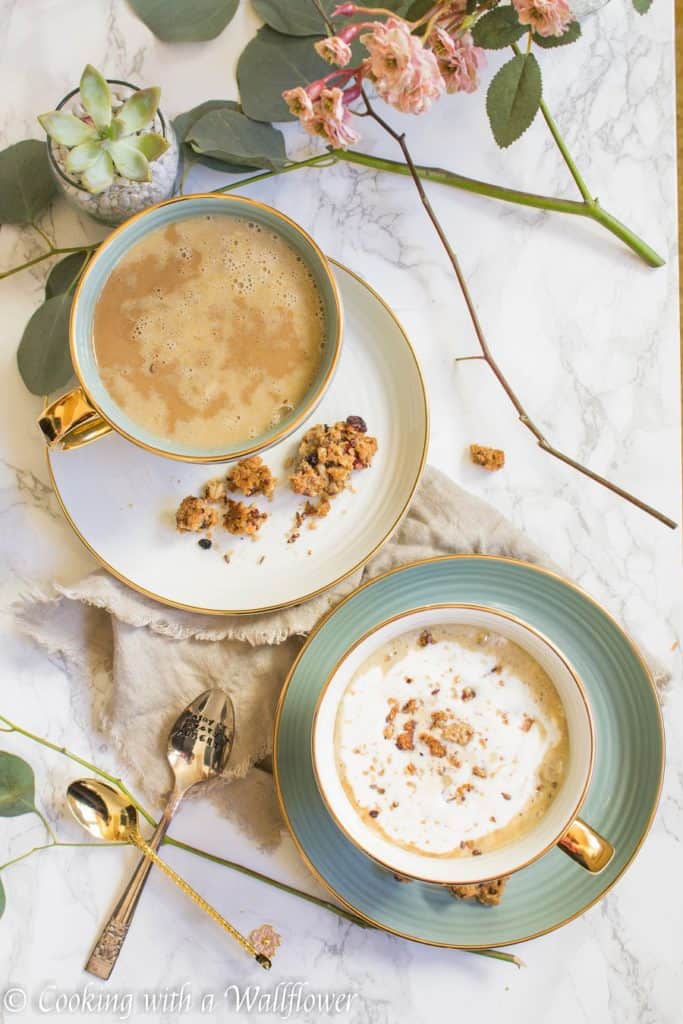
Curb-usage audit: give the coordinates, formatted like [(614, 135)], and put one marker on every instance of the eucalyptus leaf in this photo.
[(129, 161), (642, 6), (271, 63), (66, 128), (570, 35), (17, 786), (26, 182), (231, 136), (498, 28), (64, 273), (418, 8), (300, 17), (138, 110), (513, 98), (95, 95), (43, 357), (184, 122), (3, 901), (185, 21)]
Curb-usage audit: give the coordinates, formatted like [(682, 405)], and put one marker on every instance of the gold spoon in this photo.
[(107, 814), (199, 745)]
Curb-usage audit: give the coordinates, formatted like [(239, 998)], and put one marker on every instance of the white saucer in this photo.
[(121, 499)]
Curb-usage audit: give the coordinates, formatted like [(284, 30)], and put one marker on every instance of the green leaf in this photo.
[(66, 128), (642, 6), (268, 65), (513, 98), (43, 357), (17, 786), (96, 96), (151, 144), (64, 273), (498, 28), (26, 182), (231, 136), (184, 122), (129, 161), (99, 177), (570, 35), (300, 17), (138, 111), (182, 21), (3, 901), (83, 156), (418, 8)]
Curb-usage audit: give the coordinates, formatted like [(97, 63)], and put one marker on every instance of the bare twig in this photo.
[(525, 419)]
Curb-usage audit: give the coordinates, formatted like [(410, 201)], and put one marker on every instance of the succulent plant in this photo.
[(107, 140)]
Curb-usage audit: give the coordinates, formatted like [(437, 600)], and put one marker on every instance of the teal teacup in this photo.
[(89, 411)]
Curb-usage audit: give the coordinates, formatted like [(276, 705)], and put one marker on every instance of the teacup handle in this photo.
[(586, 846), (71, 421)]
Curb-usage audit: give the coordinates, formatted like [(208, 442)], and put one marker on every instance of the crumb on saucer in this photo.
[(487, 893), (243, 520), (328, 455), (490, 458), (252, 476), (194, 514)]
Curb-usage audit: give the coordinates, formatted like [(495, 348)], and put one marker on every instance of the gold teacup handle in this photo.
[(71, 421), (587, 847)]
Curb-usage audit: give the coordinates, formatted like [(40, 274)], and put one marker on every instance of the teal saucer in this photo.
[(624, 790)]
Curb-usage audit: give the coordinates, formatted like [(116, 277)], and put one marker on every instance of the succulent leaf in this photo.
[(129, 161), (151, 144), (67, 129), (138, 111), (95, 96), (99, 176), (83, 156)]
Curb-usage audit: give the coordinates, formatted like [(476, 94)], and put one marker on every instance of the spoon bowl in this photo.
[(102, 810)]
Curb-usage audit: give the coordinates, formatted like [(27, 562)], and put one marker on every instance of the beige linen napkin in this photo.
[(135, 664)]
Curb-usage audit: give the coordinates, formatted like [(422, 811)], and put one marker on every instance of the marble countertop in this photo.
[(589, 336)]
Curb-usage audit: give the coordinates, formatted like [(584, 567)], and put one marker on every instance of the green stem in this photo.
[(441, 176), (324, 904), (46, 824), (323, 159), (61, 251), (49, 846)]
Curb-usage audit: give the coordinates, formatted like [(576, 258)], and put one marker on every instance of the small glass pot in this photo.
[(124, 197)]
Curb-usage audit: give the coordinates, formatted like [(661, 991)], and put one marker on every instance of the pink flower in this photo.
[(459, 60), (265, 940), (332, 120), (404, 73), (546, 17), (344, 11), (334, 50), (299, 103)]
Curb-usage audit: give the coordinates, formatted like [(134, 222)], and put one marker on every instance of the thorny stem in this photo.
[(522, 414), (9, 726)]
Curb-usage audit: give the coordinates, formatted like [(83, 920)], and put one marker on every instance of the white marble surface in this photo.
[(589, 336)]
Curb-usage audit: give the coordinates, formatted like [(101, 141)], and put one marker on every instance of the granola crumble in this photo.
[(252, 476), (243, 520), (329, 454), (490, 458), (487, 893), (194, 514)]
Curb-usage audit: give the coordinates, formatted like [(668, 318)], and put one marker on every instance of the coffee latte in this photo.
[(209, 331), (451, 741)]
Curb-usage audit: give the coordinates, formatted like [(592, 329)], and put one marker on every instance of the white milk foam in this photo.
[(489, 742)]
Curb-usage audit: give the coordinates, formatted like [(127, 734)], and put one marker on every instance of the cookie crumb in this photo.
[(193, 514), (490, 458), (252, 476), (243, 520), (489, 894)]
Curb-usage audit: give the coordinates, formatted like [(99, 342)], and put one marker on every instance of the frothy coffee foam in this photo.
[(209, 331), (486, 753)]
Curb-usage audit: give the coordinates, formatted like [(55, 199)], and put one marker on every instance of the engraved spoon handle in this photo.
[(105, 953), (260, 958)]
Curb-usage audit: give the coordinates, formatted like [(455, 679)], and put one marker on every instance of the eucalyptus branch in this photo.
[(53, 250), (9, 726), (522, 414)]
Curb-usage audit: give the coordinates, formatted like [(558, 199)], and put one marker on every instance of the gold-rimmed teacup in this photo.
[(88, 412), (560, 826)]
